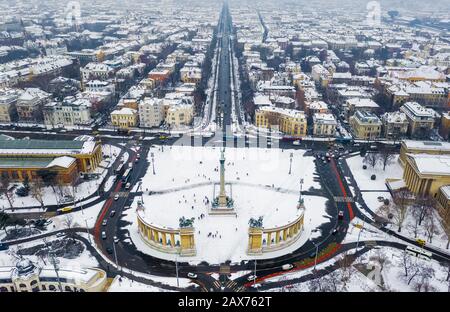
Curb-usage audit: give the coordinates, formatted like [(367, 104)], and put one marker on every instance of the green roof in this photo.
[(25, 163), (41, 144)]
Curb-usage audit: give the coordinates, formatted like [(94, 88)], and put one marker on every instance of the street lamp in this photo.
[(359, 234), (153, 161), (290, 164), (115, 254), (315, 259), (254, 280), (176, 269)]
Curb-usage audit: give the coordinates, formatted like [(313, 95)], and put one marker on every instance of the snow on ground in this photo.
[(362, 177), (51, 197), (84, 260), (390, 278), (181, 166), (109, 183), (254, 196), (125, 284)]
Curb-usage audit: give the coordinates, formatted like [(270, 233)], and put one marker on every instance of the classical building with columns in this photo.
[(425, 174), (27, 158), (169, 240), (261, 240)]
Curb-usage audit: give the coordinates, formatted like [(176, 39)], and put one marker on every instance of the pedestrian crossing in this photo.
[(217, 284), (230, 284), (343, 199)]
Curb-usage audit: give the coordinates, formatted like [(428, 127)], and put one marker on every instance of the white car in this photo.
[(286, 267), (251, 278), (192, 275), (116, 240), (116, 197)]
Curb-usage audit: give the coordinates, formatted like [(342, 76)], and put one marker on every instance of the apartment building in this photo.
[(420, 119), (151, 112), (365, 125), (324, 124), (290, 121)]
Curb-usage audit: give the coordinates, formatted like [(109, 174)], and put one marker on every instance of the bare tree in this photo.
[(425, 274), (4, 189), (400, 207), (386, 156), (68, 224), (37, 191), (371, 159), (431, 227), (382, 259)]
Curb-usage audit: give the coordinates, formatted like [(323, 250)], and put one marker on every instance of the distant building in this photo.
[(30, 103), (420, 119), (69, 112), (125, 118), (20, 158), (395, 125), (290, 121), (27, 277), (365, 125), (180, 115), (324, 124), (8, 101), (151, 112)]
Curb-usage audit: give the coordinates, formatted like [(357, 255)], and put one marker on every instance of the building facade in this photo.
[(420, 119), (290, 122), (151, 112), (365, 125), (125, 118), (324, 124)]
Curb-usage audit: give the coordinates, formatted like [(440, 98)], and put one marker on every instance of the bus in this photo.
[(126, 176), (119, 169), (418, 252)]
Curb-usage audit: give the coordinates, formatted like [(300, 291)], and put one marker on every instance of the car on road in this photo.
[(65, 209), (421, 242), (109, 250), (251, 278), (192, 275), (286, 267), (340, 215), (60, 234), (104, 222), (103, 235), (112, 213), (116, 240), (138, 156), (127, 186), (116, 197), (312, 255), (335, 231)]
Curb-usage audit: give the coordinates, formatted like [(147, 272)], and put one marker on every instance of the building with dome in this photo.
[(26, 276)]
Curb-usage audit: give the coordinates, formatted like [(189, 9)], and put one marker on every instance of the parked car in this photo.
[(104, 222), (3, 246), (192, 275)]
